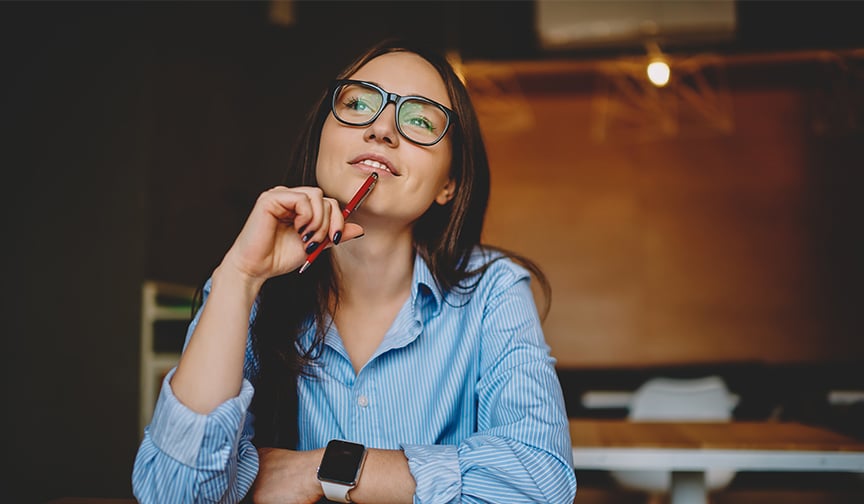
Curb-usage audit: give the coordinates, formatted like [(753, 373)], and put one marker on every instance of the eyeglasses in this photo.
[(420, 120)]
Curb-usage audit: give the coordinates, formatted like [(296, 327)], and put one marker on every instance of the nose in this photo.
[(383, 128)]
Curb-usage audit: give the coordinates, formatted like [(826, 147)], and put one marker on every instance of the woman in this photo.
[(417, 350)]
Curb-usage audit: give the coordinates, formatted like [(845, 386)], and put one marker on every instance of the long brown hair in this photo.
[(445, 236)]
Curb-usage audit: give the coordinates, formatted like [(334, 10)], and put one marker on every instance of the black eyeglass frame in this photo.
[(388, 98)]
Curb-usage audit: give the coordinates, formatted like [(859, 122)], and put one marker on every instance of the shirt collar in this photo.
[(425, 304), (424, 288)]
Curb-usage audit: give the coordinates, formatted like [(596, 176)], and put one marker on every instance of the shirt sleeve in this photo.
[(521, 451), (187, 457)]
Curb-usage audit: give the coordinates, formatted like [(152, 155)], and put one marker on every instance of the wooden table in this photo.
[(91, 500), (690, 449)]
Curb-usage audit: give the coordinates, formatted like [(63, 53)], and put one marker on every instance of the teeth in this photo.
[(374, 164)]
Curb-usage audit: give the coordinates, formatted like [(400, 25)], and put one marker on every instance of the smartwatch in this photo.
[(340, 469)]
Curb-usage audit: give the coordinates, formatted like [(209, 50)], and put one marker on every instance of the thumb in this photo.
[(351, 231)]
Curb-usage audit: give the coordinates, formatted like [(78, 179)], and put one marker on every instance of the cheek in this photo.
[(444, 164), (443, 175), (328, 133)]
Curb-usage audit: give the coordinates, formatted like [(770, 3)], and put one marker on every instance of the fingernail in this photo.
[(360, 236), (337, 237), (311, 247), (300, 231), (307, 236)]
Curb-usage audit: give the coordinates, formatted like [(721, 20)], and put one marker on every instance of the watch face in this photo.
[(341, 462)]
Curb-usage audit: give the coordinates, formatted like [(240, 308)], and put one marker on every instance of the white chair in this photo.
[(673, 399)]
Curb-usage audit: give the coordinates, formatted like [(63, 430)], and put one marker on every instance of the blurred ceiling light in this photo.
[(658, 72), (658, 67), (282, 13), (586, 25)]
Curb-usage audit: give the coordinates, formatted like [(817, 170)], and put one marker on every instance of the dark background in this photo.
[(135, 137)]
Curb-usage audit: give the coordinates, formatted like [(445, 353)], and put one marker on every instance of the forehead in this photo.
[(405, 73)]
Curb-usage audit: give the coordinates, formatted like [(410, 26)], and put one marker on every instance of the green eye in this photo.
[(420, 122), (421, 117), (358, 105), (359, 101)]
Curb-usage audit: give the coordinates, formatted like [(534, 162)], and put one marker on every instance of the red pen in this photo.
[(352, 205)]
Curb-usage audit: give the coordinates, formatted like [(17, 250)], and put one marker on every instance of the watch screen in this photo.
[(341, 461)]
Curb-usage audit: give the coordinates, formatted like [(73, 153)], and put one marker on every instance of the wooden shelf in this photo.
[(160, 301)]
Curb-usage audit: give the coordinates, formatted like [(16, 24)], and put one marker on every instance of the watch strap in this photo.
[(336, 492)]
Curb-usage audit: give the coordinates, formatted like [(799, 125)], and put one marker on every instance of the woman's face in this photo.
[(411, 177)]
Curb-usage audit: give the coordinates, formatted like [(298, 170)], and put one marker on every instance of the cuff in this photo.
[(436, 473), (179, 432)]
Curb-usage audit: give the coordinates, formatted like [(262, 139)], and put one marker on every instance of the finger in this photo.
[(289, 206), (310, 221), (281, 202), (352, 231), (337, 222), (316, 237)]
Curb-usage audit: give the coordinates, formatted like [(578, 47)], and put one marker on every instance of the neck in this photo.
[(374, 268)]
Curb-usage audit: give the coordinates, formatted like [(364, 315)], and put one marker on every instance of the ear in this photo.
[(447, 193)]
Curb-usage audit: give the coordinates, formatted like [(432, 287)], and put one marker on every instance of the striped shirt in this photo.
[(463, 384)]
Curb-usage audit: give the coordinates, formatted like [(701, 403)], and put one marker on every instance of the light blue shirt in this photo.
[(463, 384)]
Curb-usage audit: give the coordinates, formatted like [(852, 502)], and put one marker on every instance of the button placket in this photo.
[(361, 388), (366, 421)]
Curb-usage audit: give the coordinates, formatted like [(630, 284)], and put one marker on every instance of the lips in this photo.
[(375, 162)]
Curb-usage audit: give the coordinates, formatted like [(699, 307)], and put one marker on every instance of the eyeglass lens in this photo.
[(418, 120)]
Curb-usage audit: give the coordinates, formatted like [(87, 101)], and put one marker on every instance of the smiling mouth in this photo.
[(376, 165)]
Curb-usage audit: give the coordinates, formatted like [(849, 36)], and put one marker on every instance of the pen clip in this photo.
[(365, 194)]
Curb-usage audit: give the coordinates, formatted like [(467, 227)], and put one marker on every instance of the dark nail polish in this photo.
[(311, 247), (337, 237), (307, 236), (300, 231)]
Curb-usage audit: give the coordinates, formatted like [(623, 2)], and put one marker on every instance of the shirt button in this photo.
[(363, 401)]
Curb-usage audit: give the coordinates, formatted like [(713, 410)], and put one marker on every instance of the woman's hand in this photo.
[(287, 477), (282, 224)]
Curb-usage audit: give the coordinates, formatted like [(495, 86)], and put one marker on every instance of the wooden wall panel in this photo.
[(676, 249)]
